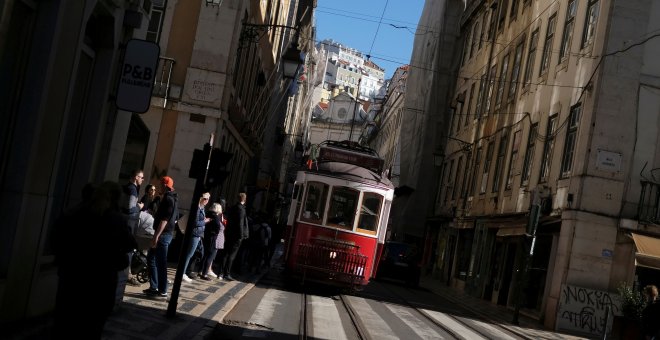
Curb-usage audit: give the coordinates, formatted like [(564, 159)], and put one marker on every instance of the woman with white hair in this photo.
[(214, 239)]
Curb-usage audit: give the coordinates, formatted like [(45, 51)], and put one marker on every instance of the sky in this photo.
[(355, 24)]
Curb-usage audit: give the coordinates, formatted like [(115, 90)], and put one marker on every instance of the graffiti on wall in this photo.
[(583, 310)]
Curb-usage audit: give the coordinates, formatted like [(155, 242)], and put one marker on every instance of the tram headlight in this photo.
[(333, 254)]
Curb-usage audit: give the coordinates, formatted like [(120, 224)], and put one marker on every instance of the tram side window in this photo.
[(315, 202), (343, 205), (370, 212)]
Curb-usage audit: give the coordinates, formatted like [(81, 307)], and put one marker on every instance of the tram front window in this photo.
[(315, 202), (343, 205), (370, 212)]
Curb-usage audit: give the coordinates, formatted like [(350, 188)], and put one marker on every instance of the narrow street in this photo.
[(278, 309)]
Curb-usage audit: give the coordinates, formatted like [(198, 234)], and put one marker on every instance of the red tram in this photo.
[(338, 217)]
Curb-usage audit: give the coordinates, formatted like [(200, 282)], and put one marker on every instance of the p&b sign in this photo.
[(137, 76)]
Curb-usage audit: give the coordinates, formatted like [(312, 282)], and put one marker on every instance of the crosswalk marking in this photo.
[(326, 320), (418, 326), (494, 332), (264, 312), (378, 328), (452, 324)]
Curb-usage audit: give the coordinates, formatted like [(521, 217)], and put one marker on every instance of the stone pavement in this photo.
[(201, 305), (528, 327)]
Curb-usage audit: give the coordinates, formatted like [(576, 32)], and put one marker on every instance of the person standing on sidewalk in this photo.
[(651, 314), (236, 231), (131, 207), (84, 308), (197, 234), (214, 239), (165, 219)]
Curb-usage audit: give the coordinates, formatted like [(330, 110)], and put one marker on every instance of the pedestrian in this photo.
[(165, 220), (197, 233), (651, 314), (235, 232), (131, 207), (214, 240), (150, 199), (260, 234), (84, 308)]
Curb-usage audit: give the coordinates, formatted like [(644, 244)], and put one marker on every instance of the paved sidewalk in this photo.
[(528, 328), (201, 306)]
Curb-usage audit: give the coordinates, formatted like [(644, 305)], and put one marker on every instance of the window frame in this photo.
[(515, 70), (546, 56), (362, 199), (548, 148), (330, 208), (531, 57), (567, 35), (515, 147), (589, 31), (504, 70), (322, 207), (499, 162), (528, 161), (570, 141)]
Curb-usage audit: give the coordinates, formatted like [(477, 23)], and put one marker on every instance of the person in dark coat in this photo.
[(86, 307), (214, 240), (236, 231), (651, 314)]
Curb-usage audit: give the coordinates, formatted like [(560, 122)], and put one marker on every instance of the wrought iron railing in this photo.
[(162, 79), (649, 198)]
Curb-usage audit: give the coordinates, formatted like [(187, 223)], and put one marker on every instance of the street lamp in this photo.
[(438, 158), (291, 61)]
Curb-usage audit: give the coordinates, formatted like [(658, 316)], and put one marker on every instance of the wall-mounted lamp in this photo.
[(214, 2), (291, 61), (438, 158)]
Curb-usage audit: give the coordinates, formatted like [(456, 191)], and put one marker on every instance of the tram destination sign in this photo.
[(370, 162)]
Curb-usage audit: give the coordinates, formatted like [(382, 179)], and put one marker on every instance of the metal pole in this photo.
[(187, 236)]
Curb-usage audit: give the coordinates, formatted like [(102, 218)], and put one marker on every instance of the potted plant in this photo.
[(628, 324)]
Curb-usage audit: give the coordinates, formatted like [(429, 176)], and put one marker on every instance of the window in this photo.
[(315, 202), (343, 206), (515, 71), (571, 139), (462, 112), (469, 102), (529, 153), (502, 13), (547, 148), (547, 47), (491, 87), (449, 178), (503, 74), (514, 10), (531, 55), (514, 159), (480, 97), (475, 38), (466, 178), (475, 170), (568, 31), (484, 174), (499, 162), (370, 213), (484, 27), (459, 167), (466, 48), (590, 23), (155, 22)]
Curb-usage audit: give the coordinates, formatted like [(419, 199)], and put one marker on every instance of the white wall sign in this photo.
[(137, 75), (608, 161)]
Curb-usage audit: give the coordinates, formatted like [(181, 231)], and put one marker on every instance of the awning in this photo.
[(648, 251), (511, 231)]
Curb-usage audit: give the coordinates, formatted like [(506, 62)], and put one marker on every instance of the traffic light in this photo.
[(217, 167), (198, 163)]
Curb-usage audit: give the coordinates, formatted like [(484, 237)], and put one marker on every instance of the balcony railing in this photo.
[(162, 79), (647, 210)]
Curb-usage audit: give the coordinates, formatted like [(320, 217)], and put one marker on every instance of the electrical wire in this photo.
[(380, 21)]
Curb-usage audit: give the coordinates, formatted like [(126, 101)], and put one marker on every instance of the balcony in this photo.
[(647, 210), (162, 79)]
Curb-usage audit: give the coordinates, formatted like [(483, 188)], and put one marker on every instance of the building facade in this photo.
[(552, 105)]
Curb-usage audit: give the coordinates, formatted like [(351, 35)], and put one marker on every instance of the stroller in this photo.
[(139, 266)]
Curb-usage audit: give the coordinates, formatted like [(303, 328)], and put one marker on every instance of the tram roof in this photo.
[(351, 172)]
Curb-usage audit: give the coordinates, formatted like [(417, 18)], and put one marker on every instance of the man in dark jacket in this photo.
[(164, 223), (236, 231)]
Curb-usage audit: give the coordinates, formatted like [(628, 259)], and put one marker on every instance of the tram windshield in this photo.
[(343, 205), (315, 202)]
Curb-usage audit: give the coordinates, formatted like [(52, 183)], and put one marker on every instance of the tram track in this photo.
[(453, 318)]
